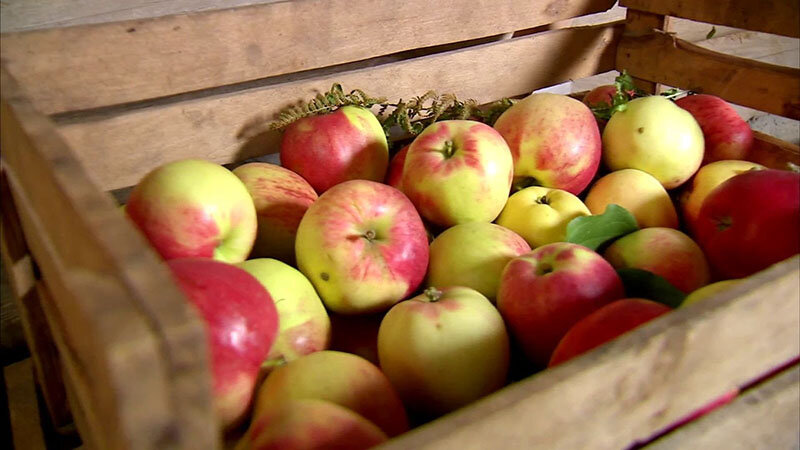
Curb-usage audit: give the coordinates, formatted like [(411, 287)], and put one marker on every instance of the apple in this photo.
[(310, 424), (605, 324), (666, 252), (443, 349), (356, 334), (347, 144), (708, 291), (638, 192), (304, 324), (554, 141), (600, 96), (544, 292), (394, 176), (654, 135), (704, 181), (726, 134), (363, 246), (473, 255), (458, 171), (540, 215), (194, 208), (750, 222), (241, 323), (281, 197), (342, 378)]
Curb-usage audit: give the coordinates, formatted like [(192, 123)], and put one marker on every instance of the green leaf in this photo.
[(645, 284), (594, 231), (711, 33)]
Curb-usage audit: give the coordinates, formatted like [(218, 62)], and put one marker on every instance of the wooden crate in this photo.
[(90, 109)]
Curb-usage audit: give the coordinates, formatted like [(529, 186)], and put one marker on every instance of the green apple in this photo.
[(638, 192), (473, 255), (304, 324), (655, 135), (540, 215), (444, 349), (708, 291)]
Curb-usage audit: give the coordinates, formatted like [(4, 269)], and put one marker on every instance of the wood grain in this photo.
[(638, 23), (117, 318), (767, 416), (26, 429), (630, 389), (86, 67), (119, 150), (773, 152), (767, 87), (772, 16)]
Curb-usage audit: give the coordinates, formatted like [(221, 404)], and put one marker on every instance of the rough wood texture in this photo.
[(631, 388), (119, 150), (122, 327), (639, 23), (767, 416), (105, 64), (763, 86), (26, 429), (771, 16), (772, 152)]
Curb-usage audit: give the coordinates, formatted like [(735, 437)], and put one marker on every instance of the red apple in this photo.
[(605, 324), (363, 246), (194, 208), (727, 136), (281, 198), (394, 176), (600, 96), (750, 222), (544, 292), (347, 144), (554, 140), (242, 325)]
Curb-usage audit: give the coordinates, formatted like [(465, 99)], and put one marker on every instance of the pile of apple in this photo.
[(347, 296)]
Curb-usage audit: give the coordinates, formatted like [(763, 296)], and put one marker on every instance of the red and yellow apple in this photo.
[(281, 197), (554, 141), (347, 144), (473, 255), (458, 171), (540, 215), (638, 192), (363, 246), (726, 134), (443, 349), (544, 292), (394, 176), (356, 334), (194, 208)]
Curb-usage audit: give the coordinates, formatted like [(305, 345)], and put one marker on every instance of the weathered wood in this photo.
[(86, 67), (631, 388), (639, 23), (767, 87), (120, 149), (773, 152), (118, 319), (767, 416), (772, 16), (23, 409)]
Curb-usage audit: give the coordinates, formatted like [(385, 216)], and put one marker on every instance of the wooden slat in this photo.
[(132, 337), (664, 59), (773, 152), (768, 416), (638, 23), (119, 150), (771, 16), (26, 428), (86, 67), (630, 389)]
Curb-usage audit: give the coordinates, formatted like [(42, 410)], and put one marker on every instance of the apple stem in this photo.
[(433, 294), (543, 200), (448, 150)]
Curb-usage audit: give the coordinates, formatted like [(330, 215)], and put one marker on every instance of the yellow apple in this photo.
[(638, 192), (707, 291), (540, 215)]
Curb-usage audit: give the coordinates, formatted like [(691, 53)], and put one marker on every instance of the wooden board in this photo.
[(122, 327), (771, 16), (630, 389), (767, 416), (23, 409), (87, 67), (118, 150), (767, 87), (772, 152)]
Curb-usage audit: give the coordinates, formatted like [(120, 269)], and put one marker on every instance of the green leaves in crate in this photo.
[(619, 101), (324, 103), (594, 231), (645, 284)]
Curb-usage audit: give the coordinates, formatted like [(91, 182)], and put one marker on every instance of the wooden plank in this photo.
[(629, 389), (120, 149), (664, 59), (773, 152), (78, 68), (771, 16), (26, 429), (638, 23), (116, 311), (767, 416)]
